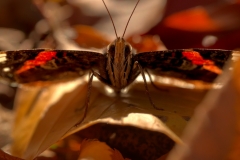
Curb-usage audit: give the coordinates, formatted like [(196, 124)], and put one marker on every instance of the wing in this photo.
[(25, 66), (192, 64)]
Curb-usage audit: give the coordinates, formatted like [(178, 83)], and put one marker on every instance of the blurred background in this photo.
[(31, 24)]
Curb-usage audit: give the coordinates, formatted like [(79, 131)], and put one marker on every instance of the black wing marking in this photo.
[(25, 66), (174, 63)]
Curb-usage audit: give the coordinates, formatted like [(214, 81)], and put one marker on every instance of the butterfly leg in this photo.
[(146, 88), (153, 84), (86, 105), (101, 78)]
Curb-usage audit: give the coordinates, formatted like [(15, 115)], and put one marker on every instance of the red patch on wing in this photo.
[(197, 59), (42, 58)]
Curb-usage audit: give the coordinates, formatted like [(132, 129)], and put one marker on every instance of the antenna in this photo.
[(111, 18), (130, 18)]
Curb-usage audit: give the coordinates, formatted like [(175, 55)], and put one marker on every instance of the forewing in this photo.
[(191, 64), (26, 66)]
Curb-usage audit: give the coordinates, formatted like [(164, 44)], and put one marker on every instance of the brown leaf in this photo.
[(234, 153), (46, 111), (41, 110)]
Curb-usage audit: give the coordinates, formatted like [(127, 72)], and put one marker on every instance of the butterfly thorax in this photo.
[(119, 63)]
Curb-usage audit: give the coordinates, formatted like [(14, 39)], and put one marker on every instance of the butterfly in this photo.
[(25, 66), (118, 66)]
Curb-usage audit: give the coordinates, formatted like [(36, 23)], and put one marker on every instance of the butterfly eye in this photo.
[(128, 50), (111, 50)]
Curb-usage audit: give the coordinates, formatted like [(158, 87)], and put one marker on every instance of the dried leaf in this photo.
[(40, 108), (46, 111), (234, 153)]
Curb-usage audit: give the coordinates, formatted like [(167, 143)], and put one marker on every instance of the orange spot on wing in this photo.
[(42, 58), (197, 59)]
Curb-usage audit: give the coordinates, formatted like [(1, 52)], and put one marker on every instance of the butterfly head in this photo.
[(119, 63), (119, 47)]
